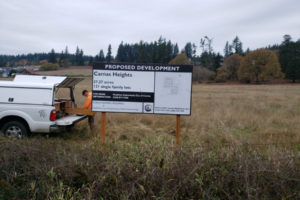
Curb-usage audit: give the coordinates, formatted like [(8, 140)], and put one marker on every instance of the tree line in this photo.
[(160, 51), (223, 67), (63, 59), (261, 65)]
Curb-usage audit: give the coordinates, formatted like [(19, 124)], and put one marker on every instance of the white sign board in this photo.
[(142, 88)]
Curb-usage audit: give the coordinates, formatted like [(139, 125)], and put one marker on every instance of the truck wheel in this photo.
[(14, 129)]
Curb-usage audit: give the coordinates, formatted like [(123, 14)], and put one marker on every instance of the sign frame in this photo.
[(153, 67)]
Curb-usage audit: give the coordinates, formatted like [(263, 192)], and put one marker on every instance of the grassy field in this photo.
[(241, 142), (70, 72)]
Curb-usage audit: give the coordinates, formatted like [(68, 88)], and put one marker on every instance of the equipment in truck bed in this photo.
[(29, 104)]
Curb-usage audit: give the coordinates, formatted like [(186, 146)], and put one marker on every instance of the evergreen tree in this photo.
[(52, 57), (211, 61), (121, 54), (218, 60), (273, 47), (109, 54), (289, 57), (286, 39), (38, 58), (194, 50), (227, 50), (168, 52), (206, 44), (91, 60), (155, 53), (149, 50), (66, 57), (161, 50), (100, 57), (2, 62), (66, 52), (188, 50), (141, 52), (237, 46), (61, 59), (175, 50), (77, 56), (81, 60), (247, 51), (208, 58)]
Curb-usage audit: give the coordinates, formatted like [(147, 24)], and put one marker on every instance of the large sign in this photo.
[(142, 88)]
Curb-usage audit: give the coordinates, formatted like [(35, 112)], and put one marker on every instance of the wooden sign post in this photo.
[(177, 129), (102, 130)]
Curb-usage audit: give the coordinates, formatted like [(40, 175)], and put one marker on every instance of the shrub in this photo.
[(49, 67), (229, 69), (222, 74), (201, 74), (259, 66), (180, 59)]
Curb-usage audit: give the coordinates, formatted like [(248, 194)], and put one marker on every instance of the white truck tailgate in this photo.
[(69, 120)]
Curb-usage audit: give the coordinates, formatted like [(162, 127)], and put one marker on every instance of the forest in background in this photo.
[(273, 62)]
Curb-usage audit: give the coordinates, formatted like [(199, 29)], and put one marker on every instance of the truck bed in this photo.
[(69, 120)]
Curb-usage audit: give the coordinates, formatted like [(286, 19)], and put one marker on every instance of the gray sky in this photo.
[(29, 26)]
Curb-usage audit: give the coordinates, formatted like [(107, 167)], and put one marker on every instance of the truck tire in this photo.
[(14, 129)]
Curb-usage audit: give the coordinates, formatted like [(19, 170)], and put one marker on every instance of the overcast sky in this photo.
[(28, 26)]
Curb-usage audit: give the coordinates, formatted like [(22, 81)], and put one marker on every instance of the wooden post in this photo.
[(177, 129), (103, 123)]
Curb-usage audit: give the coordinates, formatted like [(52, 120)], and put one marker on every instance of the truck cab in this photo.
[(29, 104)]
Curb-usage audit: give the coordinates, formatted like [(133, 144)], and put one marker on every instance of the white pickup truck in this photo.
[(29, 104)]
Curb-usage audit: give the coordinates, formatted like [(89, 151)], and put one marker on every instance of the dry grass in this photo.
[(72, 72), (233, 114), (241, 142), (5, 79)]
